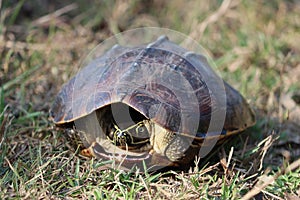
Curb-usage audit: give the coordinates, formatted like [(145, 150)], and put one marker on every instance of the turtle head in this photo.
[(134, 135)]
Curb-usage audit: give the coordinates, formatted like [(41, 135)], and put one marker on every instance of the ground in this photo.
[(255, 45)]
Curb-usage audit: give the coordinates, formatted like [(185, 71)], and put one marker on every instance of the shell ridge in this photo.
[(158, 42)]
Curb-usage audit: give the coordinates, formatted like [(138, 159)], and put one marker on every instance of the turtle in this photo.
[(155, 102)]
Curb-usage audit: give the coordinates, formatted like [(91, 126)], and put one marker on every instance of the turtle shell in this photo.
[(164, 82)]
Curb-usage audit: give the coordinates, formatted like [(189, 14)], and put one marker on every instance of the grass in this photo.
[(255, 47)]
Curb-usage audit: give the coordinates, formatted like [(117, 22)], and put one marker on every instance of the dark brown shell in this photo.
[(162, 81)]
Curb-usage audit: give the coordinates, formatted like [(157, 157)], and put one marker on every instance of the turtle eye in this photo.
[(141, 129)]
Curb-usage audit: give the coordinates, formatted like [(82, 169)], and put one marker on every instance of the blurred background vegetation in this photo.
[(255, 45)]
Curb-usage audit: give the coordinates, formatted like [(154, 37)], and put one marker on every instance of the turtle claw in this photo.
[(86, 152)]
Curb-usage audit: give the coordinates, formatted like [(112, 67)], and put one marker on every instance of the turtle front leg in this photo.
[(169, 144)]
